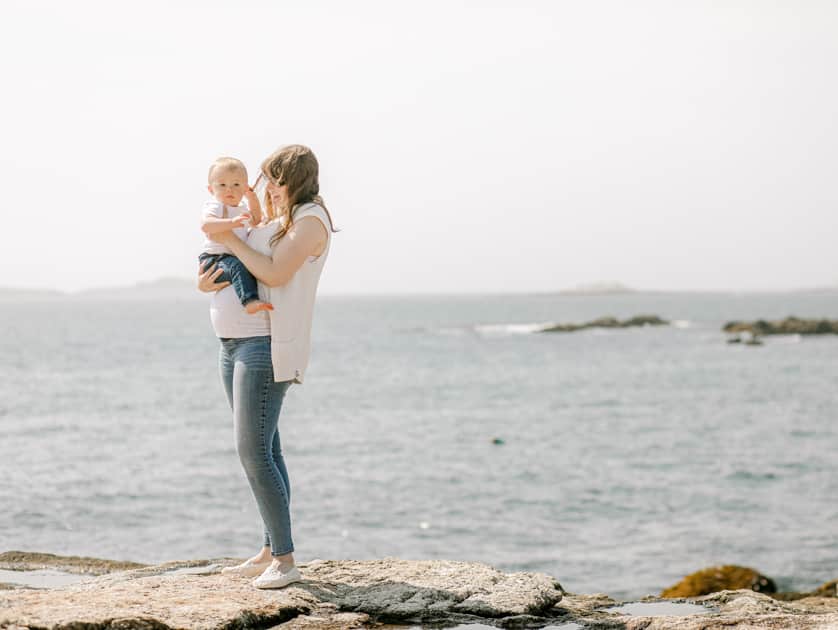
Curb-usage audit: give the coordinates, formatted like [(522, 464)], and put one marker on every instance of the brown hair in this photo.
[(296, 167), (226, 164)]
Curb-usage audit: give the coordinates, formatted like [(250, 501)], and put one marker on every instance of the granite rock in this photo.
[(729, 610), (364, 594), (337, 592)]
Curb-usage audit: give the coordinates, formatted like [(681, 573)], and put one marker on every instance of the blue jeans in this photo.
[(248, 378), (244, 284)]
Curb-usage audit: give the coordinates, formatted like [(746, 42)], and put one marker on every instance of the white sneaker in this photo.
[(247, 568), (274, 578)]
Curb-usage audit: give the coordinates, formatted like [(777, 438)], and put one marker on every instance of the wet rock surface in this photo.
[(31, 561), (366, 594)]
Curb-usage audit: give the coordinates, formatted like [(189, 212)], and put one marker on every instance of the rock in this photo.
[(31, 561), (603, 322), (788, 326), (720, 578), (426, 590), (609, 322), (382, 590), (748, 609), (828, 589), (364, 594), (731, 610), (644, 320)]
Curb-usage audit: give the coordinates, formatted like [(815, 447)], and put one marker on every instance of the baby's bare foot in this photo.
[(257, 305)]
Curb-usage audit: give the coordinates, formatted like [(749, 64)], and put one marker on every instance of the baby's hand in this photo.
[(243, 220)]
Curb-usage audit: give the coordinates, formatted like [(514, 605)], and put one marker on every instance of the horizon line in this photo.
[(592, 289)]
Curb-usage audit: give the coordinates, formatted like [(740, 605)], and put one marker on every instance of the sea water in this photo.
[(437, 427)]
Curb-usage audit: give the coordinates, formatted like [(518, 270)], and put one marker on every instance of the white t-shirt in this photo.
[(229, 319), (289, 324), (214, 209)]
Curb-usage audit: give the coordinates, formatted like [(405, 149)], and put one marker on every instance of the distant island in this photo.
[(161, 288), (185, 288), (597, 288), (8, 294)]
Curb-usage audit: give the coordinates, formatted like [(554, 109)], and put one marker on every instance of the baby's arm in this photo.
[(253, 206), (211, 225), (214, 220)]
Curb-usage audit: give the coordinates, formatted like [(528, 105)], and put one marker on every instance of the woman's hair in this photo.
[(296, 167)]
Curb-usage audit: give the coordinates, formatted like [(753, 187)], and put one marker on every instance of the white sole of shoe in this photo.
[(279, 581)]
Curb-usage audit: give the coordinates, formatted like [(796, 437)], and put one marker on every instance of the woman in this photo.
[(263, 354)]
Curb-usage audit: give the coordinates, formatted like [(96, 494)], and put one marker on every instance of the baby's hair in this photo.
[(226, 164)]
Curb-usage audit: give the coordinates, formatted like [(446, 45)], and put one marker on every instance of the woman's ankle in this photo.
[(284, 562), (264, 555)]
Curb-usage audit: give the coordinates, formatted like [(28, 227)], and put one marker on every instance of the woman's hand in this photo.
[(206, 279)]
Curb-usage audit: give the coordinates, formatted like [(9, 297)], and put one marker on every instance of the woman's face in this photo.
[(278, 194)]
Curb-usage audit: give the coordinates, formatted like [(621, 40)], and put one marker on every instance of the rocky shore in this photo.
[(609, 322), (384, 593), (787, 326)]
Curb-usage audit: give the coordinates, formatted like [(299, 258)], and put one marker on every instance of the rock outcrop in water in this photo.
[(609, 322), (722, 578), (787, 326), (355, 594), (30, 561)]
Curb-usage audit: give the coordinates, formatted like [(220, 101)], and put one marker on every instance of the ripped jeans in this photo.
[(256, 400)]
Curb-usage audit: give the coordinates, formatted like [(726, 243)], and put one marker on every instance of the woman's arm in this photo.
[(307, 237)]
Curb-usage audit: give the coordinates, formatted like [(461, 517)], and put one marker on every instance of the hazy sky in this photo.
[(464, 146)]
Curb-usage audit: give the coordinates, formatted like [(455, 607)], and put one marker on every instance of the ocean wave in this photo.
[(512, 329), (786, 339), (523, 328)]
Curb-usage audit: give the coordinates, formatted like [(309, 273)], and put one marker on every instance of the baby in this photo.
[(228, 184)]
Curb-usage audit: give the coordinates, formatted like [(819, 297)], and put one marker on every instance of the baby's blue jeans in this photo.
[(244, 284), (256, 400)]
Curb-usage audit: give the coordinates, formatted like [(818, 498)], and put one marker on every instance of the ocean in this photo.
[(617, 461)]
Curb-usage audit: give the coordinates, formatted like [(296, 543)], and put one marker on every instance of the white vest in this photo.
[(294, 307)]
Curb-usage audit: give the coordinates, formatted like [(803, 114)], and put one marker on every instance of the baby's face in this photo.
[(228, 186)]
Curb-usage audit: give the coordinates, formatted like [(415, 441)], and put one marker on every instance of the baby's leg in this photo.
[(244, 285), (208, 260)]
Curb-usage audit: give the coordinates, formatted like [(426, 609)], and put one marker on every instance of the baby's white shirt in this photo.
[(214, 209)]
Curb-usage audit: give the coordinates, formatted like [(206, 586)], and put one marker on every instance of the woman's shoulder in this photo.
[(309, 207), (313, 209)]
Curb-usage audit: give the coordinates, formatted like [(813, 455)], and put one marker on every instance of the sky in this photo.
[(464, 146)]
